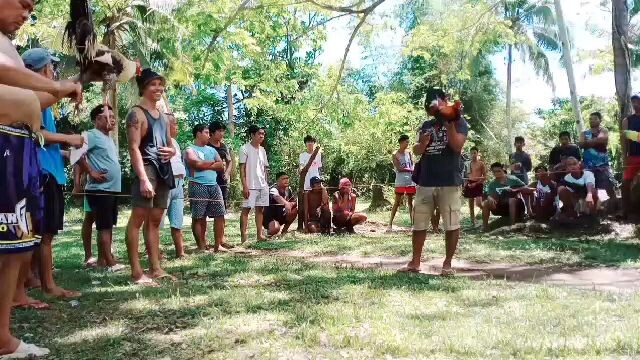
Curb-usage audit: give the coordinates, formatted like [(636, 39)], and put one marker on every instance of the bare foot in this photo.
[(410, 267), (243, 239), (180, 256), (261, 238), (145, 280), (10, 346), (30, 303), (221, 249), (57, 291)]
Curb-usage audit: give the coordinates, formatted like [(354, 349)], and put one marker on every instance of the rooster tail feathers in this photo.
[(79, 31)]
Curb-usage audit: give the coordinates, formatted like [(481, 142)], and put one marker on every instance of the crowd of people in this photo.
[(430, 175)]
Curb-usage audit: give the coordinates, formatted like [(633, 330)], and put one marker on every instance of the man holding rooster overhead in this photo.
[(438, 175)]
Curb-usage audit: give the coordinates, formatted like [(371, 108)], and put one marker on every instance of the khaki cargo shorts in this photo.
[(447, 199)]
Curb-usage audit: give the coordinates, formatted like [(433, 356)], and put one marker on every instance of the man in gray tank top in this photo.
[(151, 149)]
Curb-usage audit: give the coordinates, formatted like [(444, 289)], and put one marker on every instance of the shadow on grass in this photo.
[(116, 319)]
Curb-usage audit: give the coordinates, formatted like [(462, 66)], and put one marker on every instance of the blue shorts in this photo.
[(175, 211), (22, 203)]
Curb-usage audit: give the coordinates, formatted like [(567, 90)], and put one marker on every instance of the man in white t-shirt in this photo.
[(316, 165), (577, 185), (253, 175)]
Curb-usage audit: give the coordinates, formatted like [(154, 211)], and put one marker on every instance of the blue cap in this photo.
[(36, 59)]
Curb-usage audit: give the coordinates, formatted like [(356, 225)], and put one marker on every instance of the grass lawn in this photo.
[(271, 307)]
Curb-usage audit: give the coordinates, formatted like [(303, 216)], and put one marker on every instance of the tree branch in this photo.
[(224, 28)]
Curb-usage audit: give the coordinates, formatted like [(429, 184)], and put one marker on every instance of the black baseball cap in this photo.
[(635, 97), (146, 76), (315, 180)]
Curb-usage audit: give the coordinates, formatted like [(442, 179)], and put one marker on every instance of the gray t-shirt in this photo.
[(103, 157), (440, 165)]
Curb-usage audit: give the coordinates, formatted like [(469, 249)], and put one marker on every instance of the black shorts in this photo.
[(274, 213), (104, 205), (502, 208), (225, 194), (604, 178), (53, 193)]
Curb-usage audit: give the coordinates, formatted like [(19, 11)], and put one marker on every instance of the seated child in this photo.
[(317, 211), (546, 191), (345, 216), (577, 185), (504, 197)]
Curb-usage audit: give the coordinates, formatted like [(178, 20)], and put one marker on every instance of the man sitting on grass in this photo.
[(316, 203), (345, 216), (577, 185), (282, 209), (546, 191), (504, 197)]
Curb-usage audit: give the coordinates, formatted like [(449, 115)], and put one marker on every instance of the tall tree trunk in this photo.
[(566, 52), (508, 112), (113, 96), (621, 57), (232, 126), (621, 72)]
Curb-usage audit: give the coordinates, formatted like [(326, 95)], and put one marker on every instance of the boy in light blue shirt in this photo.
[(202, 162), (103, 182)]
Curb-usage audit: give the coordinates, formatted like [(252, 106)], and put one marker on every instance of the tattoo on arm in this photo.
[(132, 119)]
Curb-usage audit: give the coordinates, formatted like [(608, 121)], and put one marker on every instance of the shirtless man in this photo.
[(344, 200), (474, 186), (19, 105), (151, 150), (318, 214)]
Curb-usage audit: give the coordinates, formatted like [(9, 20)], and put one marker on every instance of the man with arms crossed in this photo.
[(206, 198), (19, 107), (594, 142), (253, 175), (440, 145), (150, 150)]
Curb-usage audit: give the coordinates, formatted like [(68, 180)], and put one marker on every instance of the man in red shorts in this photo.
[(403, 165), (474, 185), (631, 155)]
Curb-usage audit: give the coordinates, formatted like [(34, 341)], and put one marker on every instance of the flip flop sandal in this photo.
[(25, 351), (116, 268), (447, 272), (407, 269), (146, 281)]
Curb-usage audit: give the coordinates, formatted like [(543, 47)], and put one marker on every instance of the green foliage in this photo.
[(560, 118)]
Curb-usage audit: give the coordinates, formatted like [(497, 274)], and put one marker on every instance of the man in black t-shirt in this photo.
[(282, 210), (216, 130), (562, 152), (438, 175)]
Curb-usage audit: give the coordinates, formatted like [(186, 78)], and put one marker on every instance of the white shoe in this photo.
[(25, 351)]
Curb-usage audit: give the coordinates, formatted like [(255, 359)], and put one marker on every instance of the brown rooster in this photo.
[(96, 61)]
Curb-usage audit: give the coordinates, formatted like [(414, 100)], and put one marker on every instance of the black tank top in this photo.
[(151, 141), (633, 123)]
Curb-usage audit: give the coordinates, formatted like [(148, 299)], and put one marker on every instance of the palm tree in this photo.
[(128, 27), (534, 30)]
